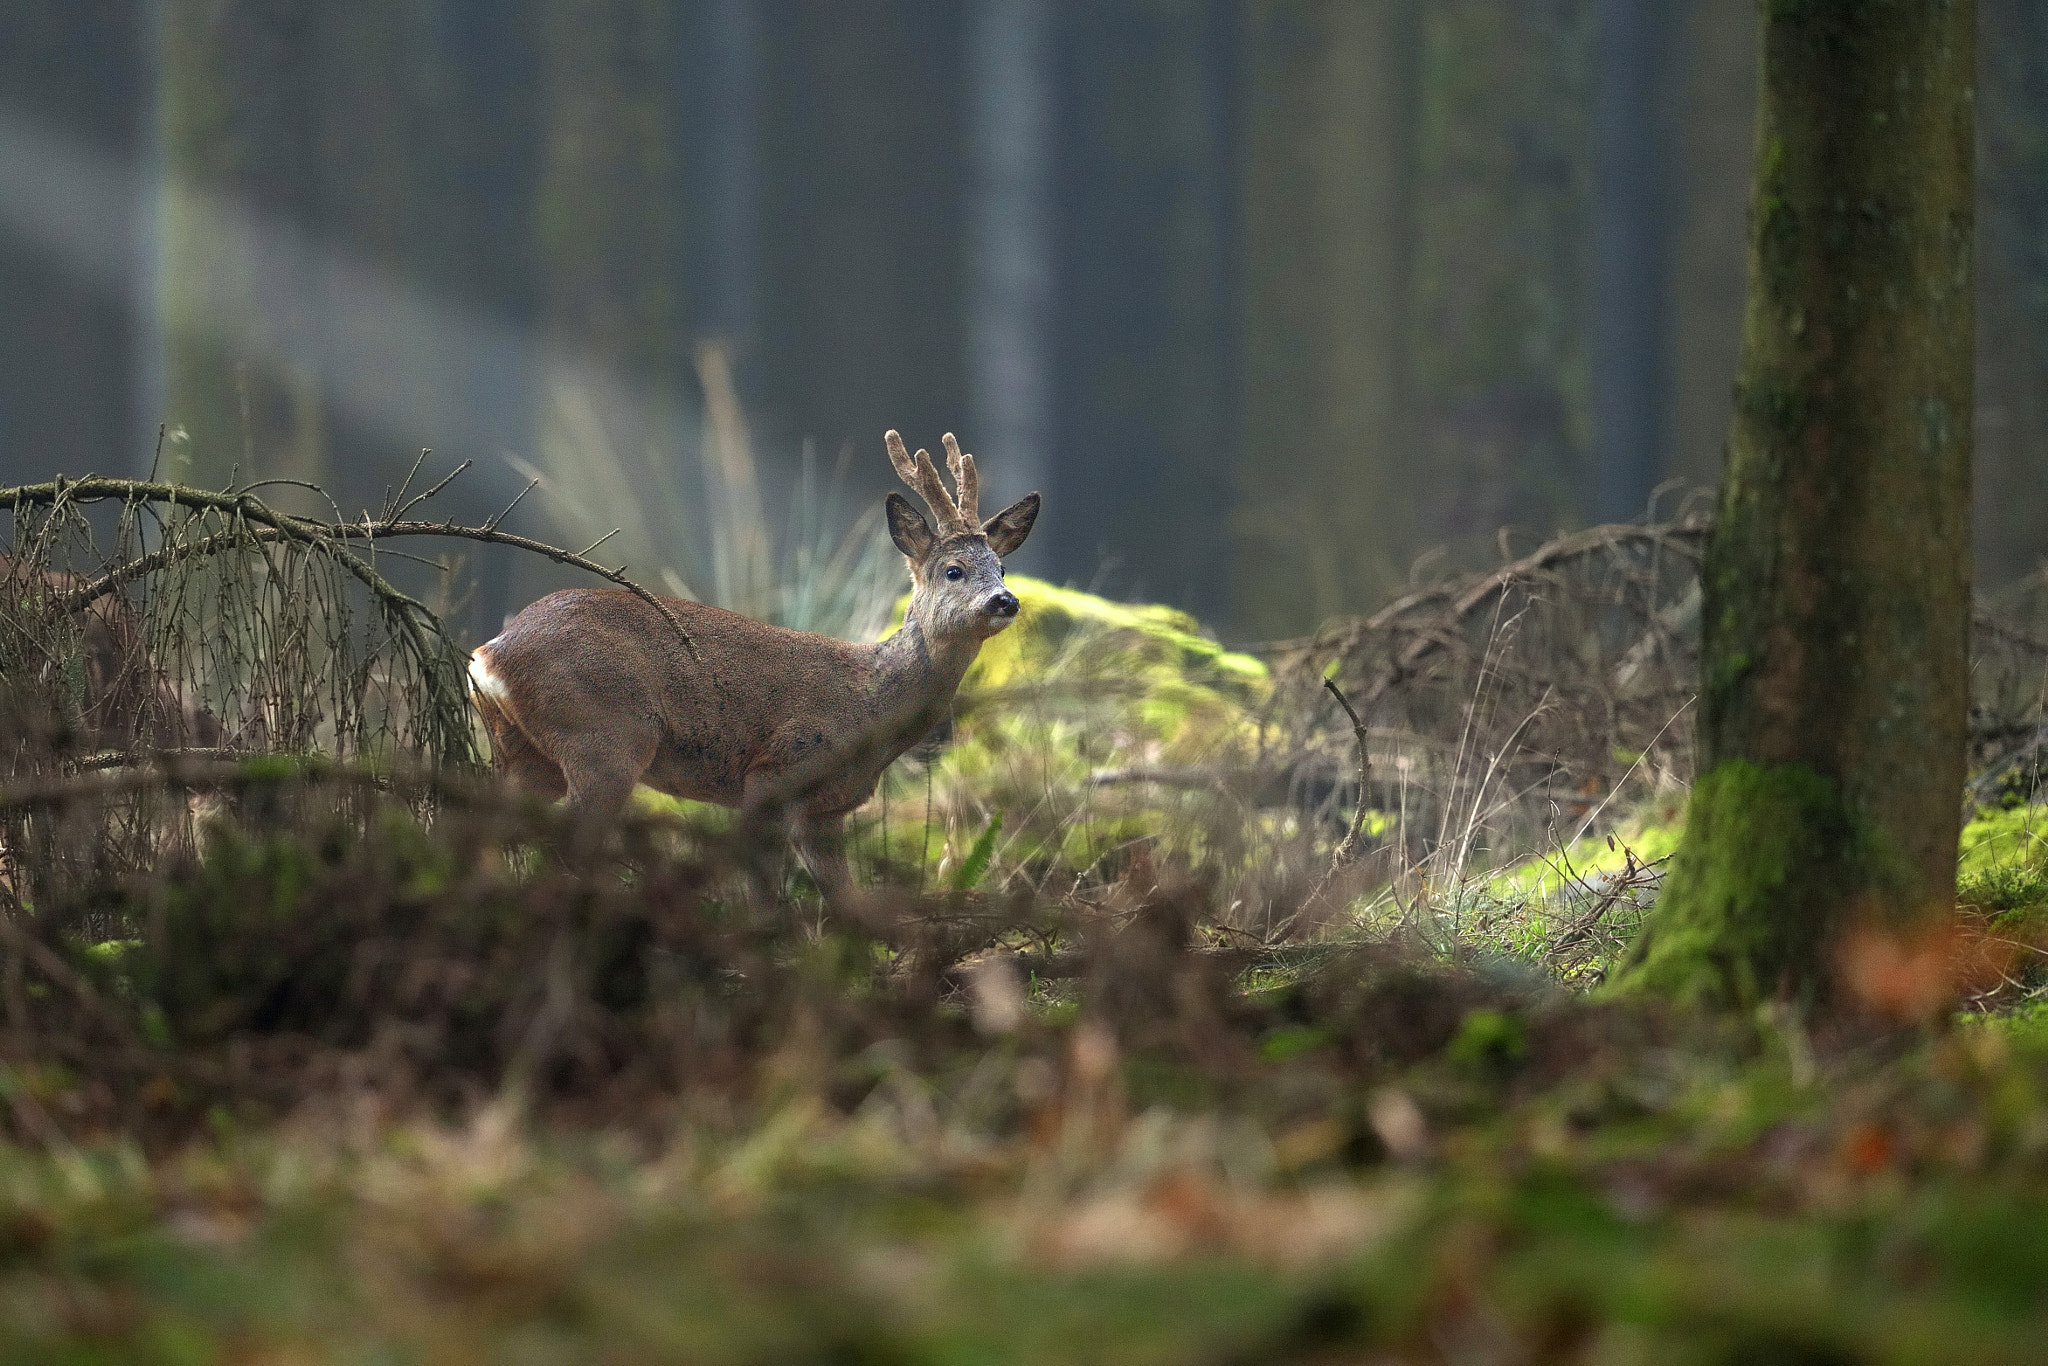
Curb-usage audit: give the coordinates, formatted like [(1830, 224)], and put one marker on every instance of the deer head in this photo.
[(956, 569)]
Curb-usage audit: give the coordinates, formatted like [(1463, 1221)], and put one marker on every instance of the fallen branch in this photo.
[(274, 526), (1444, 629)]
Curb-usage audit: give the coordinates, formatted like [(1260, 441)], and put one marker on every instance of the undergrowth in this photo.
[(342, 1062), (355, 1092)]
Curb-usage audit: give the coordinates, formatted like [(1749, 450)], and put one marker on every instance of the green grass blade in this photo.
[(969, 875)]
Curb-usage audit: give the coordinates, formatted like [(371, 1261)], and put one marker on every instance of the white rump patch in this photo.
[(480, 675)]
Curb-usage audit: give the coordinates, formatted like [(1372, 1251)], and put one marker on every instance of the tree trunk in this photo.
[(1631, 336), (1714, 88), (1323, 522), (1833, 701), (242, 128), (1145, 413), (2012, 290), (1010, 107), (611, 415), (307, 150), (69, 349), (862, 238), (1498, 358)]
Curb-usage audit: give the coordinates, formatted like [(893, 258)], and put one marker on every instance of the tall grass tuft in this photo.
[(701, 522)]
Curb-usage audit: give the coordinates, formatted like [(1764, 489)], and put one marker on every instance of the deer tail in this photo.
[(493, 698)]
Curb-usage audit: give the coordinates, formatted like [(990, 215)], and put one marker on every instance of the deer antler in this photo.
[(962, 466), (919, 472)]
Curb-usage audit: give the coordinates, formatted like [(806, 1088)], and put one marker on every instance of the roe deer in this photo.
[(590, 691)]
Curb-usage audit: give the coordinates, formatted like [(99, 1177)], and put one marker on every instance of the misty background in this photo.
[(1271, 298)]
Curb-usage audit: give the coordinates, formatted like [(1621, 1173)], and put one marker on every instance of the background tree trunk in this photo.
[(1713, 86), (242, 123), (1630, 328), (1498, 366), (1834, 695), (1324, 466), (2012, 290), (1011, 101), (863, 246), (1144, 398), (306, 148), (612, 417), (69, 346)]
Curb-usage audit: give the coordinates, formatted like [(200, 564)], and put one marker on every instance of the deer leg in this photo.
[(821, 840), (599, 770), (515, 756)]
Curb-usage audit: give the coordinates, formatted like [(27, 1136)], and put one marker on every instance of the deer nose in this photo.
[(1003, 604)]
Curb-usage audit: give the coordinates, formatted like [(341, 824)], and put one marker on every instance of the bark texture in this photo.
[(1833, 700)]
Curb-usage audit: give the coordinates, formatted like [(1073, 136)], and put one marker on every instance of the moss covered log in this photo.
[(1833, 700)]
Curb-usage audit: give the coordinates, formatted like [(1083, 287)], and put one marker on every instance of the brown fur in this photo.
[(598, 693)]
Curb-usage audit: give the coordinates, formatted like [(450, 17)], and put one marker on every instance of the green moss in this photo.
[(2003, 839), (1769, 859), (1078, 685), (1061, 630), (1651, 835), (2025, 1030)]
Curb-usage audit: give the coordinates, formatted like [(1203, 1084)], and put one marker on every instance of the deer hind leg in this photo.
[(600, 769), (517, 757)]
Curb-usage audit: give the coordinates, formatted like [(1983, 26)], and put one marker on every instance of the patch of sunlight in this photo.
[(1652, 835), (1996, 838)]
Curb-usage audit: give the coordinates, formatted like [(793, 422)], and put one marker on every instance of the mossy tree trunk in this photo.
[(1833, 701)]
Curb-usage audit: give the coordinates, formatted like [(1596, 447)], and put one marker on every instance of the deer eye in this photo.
[(955, 572)]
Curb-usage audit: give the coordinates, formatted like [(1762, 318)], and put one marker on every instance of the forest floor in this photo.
[(1517, 1178)]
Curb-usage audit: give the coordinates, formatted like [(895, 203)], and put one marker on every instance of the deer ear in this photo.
[(1008, 528), (908, 528)]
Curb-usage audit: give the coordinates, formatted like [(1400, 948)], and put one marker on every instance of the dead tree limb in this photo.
[(274, 526)]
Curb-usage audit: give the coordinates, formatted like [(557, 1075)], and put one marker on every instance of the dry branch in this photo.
[(1347, 851), (278, 526), (1445, 628)]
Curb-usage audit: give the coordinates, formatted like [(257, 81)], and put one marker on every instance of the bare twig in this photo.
[(1347, 850), (276, 526)]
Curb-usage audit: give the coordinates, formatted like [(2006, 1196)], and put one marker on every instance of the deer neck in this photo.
[(916, 674)]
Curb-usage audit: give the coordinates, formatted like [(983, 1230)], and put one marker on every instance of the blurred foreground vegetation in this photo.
[(1346, 1151), (323, 1056)]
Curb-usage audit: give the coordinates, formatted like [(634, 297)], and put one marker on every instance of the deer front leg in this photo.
[(821, 840), (819, 835)]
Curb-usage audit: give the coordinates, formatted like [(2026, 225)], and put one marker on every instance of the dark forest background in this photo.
[(1269, 297)]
